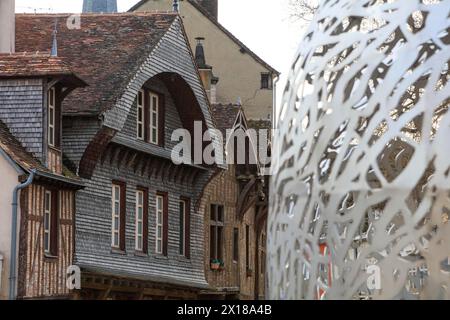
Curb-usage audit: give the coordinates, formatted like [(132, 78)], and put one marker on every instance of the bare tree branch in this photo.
[(303, 9)]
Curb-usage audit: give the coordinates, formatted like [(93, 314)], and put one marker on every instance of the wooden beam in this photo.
[(243, 198), (194, 175), (105, 154), (114, 153), (122, 156), (138, 162), (179, 174), (104, 295), (146, 166), (174, 172), (131, 158)]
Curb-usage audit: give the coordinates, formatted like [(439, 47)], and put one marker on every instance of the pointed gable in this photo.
[(106, 51)]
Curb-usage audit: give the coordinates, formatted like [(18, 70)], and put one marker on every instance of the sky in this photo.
[(264, 26)]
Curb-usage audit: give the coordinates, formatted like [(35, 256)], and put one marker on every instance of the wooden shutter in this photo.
[(123, 214), (58, 118), (54, 223), (187, 231), (145, 221), (146, 101), (165, 223), (161, 119)]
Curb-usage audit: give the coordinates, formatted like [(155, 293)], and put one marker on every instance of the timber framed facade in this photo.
[(235, 205), (131, 240), (104, 193), (32, 89)]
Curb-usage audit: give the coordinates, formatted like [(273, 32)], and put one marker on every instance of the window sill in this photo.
[(140, 254), (50, 258), (183, 258), (118, 251), (161, 257), (57, 149)]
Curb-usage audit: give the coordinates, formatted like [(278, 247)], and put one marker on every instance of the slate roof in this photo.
[(106, 51), (14, 149), (198, 6)]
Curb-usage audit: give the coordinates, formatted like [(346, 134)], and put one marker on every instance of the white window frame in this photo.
[(139, 236), (47, 221), (154, 118), (182, 233), (51, 97), (159, 232), (115, 203), (140, 111)]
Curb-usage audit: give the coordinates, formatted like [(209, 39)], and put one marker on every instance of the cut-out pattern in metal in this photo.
[(360, 193)]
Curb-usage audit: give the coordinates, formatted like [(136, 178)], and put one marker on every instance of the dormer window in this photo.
[(150, 117), (52, 117)]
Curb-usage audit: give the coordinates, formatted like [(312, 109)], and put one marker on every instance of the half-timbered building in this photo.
[(235, 206), (36, 231), (139, 222)]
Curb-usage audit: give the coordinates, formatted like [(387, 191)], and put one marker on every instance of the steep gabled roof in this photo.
[(197, 6), (106, 51)]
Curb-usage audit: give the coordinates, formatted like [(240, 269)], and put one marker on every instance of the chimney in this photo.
[(211, 6), (99, 6), (176, 6), (206, 74), (7, 26), (200, 53)]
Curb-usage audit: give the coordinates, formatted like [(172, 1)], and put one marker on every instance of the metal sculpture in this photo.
[(360, 193)]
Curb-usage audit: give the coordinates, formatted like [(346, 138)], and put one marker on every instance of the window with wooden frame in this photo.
[(161, 232), (150, 117), (118, 202), (216, 232), (184, 219), (266, 81), (140, 116), (141, 218), (53, 121), (235, 244), (51, 222), (154, 118)]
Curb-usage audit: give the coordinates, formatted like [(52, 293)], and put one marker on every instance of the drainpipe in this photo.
[(274, 108), (12, 265), (1, 270)]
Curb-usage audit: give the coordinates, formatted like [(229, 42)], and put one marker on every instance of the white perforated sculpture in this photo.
[(360, 192)]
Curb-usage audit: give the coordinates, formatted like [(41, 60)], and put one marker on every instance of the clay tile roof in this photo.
[(224, 116), (106, 51), (37, 64)]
